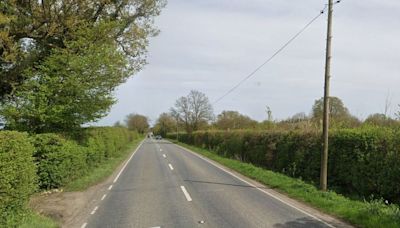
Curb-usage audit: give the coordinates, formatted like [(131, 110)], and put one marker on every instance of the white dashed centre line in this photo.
[(84, 225), (170, 166), (104, 196), (109, 188), (94, 210), (164, 155), (188, 198)]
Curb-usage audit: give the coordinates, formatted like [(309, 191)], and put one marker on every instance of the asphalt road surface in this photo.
[(164, 185)]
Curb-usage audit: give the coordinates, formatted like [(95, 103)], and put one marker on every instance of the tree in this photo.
[(118, 124), (336, 108), (60, 61), (398, 113), (234, 120), (379, 119), (165, 124), (339, 115), (137, 123), (193, 110)]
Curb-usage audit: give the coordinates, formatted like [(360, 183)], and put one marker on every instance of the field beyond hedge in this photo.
[(363, 163), (29, 163)]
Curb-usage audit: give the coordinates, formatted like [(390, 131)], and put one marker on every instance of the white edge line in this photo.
[(126, 163), (188, 198), (84, 225), (170, 166), (262, 190), (104, 196)]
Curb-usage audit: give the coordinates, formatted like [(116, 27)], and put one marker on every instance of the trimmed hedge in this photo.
[(61, 160), (17, 174), (50, 161), (362, 162)]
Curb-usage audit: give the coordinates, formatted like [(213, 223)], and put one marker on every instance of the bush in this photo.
[(59, 160), (362, 162), (17, 174)]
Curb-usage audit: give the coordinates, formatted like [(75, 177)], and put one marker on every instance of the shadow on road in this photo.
[(301, 223)]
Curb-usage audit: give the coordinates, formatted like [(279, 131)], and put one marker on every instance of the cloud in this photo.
[(210, 45)]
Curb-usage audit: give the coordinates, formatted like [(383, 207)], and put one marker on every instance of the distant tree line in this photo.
[(194, 112)]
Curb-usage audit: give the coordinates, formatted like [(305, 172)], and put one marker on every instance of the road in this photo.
[(164, 185)]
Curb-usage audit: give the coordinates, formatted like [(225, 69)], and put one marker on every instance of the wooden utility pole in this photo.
[(325, 128)]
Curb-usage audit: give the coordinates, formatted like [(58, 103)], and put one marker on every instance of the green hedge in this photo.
[(62, 159), (17, 174), (362, 162), (50, 161), (59, 160)]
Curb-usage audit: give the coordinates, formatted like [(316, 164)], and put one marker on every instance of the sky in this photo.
[(210, 45)]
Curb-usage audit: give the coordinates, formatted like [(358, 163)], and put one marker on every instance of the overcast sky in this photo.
[(210, 45)]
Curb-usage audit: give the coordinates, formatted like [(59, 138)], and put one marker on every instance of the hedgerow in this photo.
[(362, 162), (17, 174), (62, 159)]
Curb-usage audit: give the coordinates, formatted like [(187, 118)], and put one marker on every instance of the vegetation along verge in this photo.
[(362, 213), (36, 162)]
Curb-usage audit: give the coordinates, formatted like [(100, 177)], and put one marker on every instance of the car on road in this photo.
[(158, 137)]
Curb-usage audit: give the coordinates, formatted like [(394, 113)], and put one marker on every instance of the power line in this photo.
[(275, 54)]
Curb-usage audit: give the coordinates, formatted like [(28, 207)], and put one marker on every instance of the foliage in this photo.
[(362, 214), (234, 120), (61, 61), (98, 173), (361, 161), (17, 179), (30, 30), (165, 124), (339, 115), (193, 111), (381, 120), (59, 160), (136, 122)]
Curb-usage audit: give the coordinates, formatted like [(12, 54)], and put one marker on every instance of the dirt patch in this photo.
[(71, 209)]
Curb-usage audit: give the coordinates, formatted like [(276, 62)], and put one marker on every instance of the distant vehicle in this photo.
[(158, 137)]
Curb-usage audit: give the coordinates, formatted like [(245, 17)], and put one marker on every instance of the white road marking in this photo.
[(164, 155), (254, 186), (84, 225), (104, 196), (188, 198), (160, 149), (119, 174), (156, 227), (94, 210), (170, 166), (109, 188)]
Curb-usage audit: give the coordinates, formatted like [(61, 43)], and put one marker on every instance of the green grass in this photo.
[(100, 173), (34, 220), (371, 214), (94, 176)]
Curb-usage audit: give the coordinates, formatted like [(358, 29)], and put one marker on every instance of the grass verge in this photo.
[(34, 220), (359, 213), (94, 176), (103, 171)]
